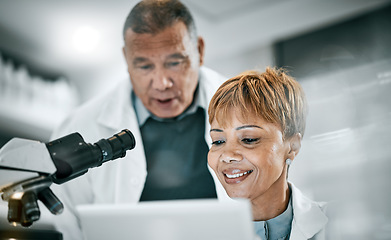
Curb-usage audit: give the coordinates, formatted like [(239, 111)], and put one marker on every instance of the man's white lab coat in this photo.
[(121, 180)]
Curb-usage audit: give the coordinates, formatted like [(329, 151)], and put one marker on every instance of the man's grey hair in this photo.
[(153, 16)]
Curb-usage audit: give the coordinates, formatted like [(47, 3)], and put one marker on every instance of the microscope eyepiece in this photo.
[(116, 146), (72, 156)]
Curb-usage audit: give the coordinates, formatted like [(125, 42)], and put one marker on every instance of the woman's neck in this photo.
[(273, 202)]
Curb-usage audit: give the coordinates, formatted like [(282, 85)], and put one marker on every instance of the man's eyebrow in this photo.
[(138, 60), (177, 55), (215, 130), (248, 126)]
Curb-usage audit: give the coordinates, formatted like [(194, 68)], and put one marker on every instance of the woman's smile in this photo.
[(236, 176)]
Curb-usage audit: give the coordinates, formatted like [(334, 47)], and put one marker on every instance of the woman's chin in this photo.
[(238, 195)]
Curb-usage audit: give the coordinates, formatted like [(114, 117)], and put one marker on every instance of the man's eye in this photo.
[(250, 140), (173, 64), (218, 142), (146, 67)]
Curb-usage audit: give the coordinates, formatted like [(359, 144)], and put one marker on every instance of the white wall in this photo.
[(345, 155), (234, 63)]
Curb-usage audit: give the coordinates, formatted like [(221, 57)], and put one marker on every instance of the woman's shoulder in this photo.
[(309, 216), (301, 201)]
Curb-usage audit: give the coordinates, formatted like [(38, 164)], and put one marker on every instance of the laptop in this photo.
[(168, 220)]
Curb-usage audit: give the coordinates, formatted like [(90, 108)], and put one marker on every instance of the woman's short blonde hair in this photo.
[(272, 95)]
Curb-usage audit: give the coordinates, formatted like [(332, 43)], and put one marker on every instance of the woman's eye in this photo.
[(218, 142), (250, 140)]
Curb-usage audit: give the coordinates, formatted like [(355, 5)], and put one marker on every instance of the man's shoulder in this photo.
[(112, 93), (79, 120), (211, 75), (84, 118), (210, 80)]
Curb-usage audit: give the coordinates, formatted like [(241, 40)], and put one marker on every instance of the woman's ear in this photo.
[(294, 146)]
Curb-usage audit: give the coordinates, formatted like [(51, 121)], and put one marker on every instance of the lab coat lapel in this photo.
[(118, 114), (308, 217), (112, 113), (209, 81)]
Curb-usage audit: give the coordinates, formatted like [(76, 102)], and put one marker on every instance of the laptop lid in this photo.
[(168, 220)]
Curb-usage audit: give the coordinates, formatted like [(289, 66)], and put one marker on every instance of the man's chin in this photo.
[(169, 109), (167, 113)]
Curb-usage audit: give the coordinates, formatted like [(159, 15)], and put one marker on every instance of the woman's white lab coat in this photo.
[(309, 218)]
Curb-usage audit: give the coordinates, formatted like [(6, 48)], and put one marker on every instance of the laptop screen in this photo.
[(168, 220)]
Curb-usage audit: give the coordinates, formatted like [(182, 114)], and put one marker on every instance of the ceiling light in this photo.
[(85, 39)]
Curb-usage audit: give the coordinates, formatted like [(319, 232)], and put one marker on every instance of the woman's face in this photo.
[(249, 156)]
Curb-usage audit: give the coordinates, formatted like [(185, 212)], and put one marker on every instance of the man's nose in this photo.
[(161, 81)]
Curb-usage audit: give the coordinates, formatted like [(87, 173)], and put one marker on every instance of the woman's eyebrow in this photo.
[(215, 130), (248, 126)]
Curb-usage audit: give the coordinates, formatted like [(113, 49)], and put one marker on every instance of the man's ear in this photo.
[(126, 59), (294, 146), (201, 49), (124, 52)]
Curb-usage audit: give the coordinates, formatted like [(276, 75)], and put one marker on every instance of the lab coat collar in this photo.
[(308, 216), (206, 91)]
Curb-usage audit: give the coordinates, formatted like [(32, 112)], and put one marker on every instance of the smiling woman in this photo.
[(257, 123)]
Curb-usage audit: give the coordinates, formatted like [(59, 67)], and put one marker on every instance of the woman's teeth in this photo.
[(238, 174)]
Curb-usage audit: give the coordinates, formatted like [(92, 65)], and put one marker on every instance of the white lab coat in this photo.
[(121, 180), (309, 217)]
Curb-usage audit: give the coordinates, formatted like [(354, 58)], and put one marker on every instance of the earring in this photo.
[(288, 162)]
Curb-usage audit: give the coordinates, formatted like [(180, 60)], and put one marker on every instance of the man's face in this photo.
[(163, 68)]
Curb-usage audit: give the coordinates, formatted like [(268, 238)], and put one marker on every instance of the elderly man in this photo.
[(163, 104)]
